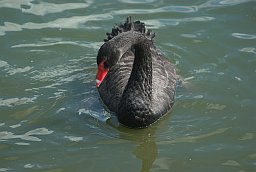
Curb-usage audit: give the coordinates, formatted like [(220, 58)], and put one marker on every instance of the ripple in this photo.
[(16, 101), (231, 163), (54, 42), (190, 139), (199, 96), (29, 166), (247, 136), (59, 110), (28, 136), (15, 126), (19, 70), (155, 24), (39, 131), (4, 169), (244, 36), (180, 9), (3, 63), (177, 9), (14, 4), (63, 74), (189, 35), (202, 70), (42, 8), (248, 50), (158, 23), (233, 2), (198, 19), (137, 2), (222, 3), (12, 70), (73, 138), (55, 76), (213, 106), (60, 23), (237, 78), (22, 143)]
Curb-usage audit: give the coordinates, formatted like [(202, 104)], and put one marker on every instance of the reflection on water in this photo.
[(147, 153), (51, 118)]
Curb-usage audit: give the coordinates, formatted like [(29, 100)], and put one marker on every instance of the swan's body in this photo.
[(140, 82)]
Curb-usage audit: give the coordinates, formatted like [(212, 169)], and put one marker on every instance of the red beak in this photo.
[(101, 74)]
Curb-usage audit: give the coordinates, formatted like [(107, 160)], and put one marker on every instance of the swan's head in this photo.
[(107, 57), (111, 52), (117, 43)]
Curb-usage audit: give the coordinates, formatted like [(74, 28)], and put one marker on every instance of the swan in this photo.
[(134, 80)]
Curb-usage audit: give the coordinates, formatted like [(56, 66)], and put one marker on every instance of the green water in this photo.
[(51, 118)]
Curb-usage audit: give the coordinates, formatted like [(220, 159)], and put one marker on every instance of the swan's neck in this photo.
[(135, 104), (141, 75)]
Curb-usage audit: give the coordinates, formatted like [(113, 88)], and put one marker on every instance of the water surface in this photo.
[(51, 118)]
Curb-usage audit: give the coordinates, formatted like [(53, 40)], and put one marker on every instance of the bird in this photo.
[(134, 80)]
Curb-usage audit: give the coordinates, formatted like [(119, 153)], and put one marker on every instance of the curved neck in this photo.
[(137, 95), (141, 75), (136, 101)]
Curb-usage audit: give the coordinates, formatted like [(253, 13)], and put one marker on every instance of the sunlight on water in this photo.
[(11, 70), (42, 8), (136, 1), (74, 139), (28, 136), (154, 24), (244, 36), (249, 50), (16, 101), (61, 23), (179, 9)]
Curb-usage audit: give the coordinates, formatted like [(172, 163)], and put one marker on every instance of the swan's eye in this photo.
[(106, 66)]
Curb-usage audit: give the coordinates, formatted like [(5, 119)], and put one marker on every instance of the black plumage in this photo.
[(140, 84)]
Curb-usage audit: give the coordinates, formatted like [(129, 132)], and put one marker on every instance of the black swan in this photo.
[(133, 79)]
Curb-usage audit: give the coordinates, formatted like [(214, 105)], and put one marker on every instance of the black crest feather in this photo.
[(137, 26)]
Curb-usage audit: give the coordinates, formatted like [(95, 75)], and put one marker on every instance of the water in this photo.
[(51, 118)]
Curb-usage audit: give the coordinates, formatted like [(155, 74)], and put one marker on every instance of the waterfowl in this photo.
[(134, 79)]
